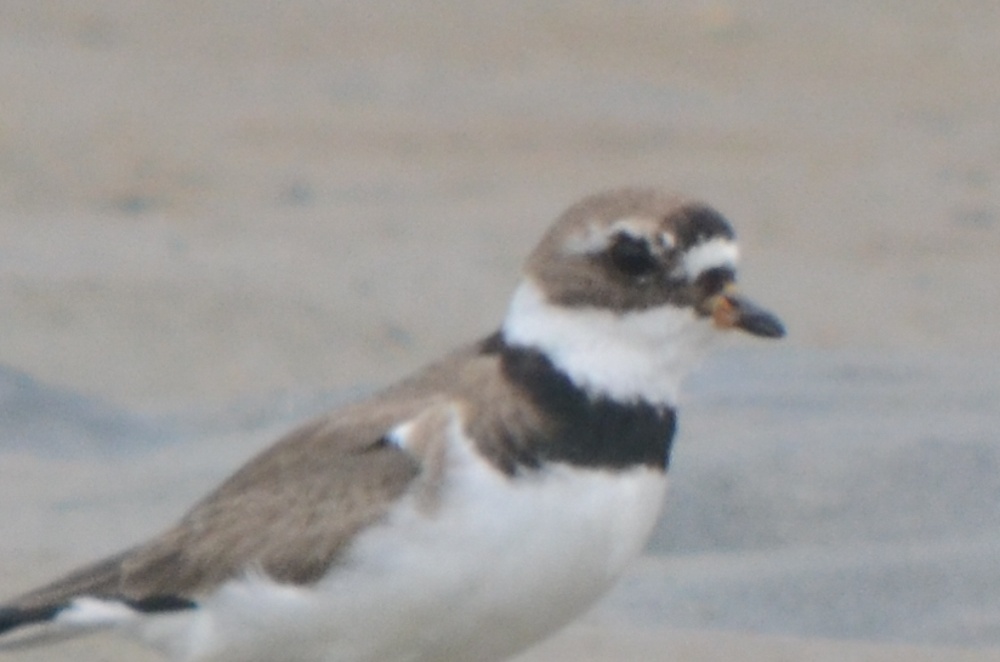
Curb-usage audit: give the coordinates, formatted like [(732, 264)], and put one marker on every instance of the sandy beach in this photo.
[(220, 218)]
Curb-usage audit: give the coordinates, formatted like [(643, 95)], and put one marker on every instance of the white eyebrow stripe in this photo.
[(714, 253), (597, 238)]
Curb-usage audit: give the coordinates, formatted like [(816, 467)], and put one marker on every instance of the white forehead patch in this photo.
[(712, 254)]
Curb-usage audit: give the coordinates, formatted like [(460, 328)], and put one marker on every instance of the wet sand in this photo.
[(217, 219)]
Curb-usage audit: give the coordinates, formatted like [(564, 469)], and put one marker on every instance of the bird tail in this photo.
[(80, 603)]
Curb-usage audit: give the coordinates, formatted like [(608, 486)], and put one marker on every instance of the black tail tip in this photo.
[(12, 618)]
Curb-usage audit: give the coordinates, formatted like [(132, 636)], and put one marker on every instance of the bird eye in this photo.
[(632, 256), (714, 280)]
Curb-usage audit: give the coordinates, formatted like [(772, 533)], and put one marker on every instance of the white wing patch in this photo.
[(426, 438), (399, 435)]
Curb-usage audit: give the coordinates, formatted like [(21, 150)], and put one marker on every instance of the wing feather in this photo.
[(289, 512)]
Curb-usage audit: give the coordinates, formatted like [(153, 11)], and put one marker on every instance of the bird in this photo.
[(463, 513)]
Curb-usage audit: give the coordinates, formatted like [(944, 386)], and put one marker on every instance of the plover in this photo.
[(466, 512)]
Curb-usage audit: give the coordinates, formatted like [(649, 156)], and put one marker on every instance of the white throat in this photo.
[(639, 355)]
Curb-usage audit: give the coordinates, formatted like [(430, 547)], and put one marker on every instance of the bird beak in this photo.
[(731, 310)]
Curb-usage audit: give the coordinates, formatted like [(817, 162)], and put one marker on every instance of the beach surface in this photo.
[(220, 218)]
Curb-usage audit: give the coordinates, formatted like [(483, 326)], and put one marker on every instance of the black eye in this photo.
[(632, 256), (713, 280)]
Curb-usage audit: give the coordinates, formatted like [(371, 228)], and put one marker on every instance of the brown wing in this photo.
[(291, 510), (288, 513)]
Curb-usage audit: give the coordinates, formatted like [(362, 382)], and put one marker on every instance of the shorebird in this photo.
[(466, 512)]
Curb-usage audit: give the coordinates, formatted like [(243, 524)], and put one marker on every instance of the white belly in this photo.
[(489, 566)]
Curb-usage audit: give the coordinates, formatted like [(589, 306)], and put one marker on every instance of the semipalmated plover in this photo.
[(467, 511)]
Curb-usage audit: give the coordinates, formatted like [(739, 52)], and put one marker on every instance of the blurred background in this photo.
[(220, 217)]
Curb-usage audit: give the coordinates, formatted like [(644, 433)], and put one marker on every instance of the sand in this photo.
[(218, 218)]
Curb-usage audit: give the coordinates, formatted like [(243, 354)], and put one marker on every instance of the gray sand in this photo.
[(218, 219)]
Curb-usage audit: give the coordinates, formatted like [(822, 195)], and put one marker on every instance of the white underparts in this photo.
[(497, 565), (87, 612), (630, 356), (83, 614)]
